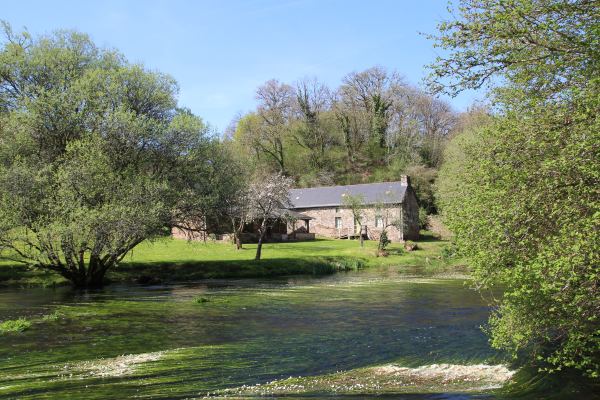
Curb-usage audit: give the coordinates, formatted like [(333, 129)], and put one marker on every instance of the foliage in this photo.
[(95, 156), (373, 127), (449, 251), (383, 241), (544, 46), (14, 325), (422, 179), (521, 193)]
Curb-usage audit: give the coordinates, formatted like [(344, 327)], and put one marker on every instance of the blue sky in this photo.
[(220, 51)]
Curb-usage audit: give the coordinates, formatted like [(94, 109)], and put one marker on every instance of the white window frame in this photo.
[(340, 225)]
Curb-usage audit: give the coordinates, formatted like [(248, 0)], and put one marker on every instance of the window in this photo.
[(338, 222), (337, 210), (378, 221)]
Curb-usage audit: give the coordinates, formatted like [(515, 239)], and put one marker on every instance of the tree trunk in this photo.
[(238, 241), (97, 280), (363, 233), (259, 248), (87, 279), (261, 235)]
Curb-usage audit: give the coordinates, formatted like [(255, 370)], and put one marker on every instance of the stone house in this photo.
[(321, 211), (383, 203)]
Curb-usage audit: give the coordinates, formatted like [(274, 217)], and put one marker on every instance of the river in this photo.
[(186, 341)]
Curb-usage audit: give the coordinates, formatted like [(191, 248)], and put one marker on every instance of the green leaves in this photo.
[(521, 191), (95, 156), (543, 46), (521, 194)]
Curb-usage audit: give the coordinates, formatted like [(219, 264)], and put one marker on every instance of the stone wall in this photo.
[(182, 234), (323, 222), (410, 210)]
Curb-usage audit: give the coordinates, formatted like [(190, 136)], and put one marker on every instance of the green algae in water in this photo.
[(15, 325), (159, 343)]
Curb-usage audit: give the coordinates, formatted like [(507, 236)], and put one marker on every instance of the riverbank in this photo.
[(174, 260)]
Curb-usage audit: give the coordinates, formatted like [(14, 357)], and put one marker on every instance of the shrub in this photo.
[(449, 251), (384, 241)]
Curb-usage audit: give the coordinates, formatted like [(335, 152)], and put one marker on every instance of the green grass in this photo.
[(175, 260)]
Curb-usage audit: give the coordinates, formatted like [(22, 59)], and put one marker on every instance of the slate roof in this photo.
[(332, 196)]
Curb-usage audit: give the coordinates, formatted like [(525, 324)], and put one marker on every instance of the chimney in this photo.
[(405, 180)]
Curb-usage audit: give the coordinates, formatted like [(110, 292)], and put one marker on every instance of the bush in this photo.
[(15, 325), (384, 241), (449, 251)]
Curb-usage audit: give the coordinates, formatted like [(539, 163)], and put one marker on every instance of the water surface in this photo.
[(247, 332)]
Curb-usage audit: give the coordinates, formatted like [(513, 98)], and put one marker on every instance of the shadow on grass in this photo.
[(20, 275), (426, 237), (193, 270)]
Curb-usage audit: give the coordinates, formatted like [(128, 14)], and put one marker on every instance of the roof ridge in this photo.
[(354, 184)]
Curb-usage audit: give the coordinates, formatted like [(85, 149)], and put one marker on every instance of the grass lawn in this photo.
[(176, 260)]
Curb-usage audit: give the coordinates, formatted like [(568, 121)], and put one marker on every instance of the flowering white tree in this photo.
[(269, 198)]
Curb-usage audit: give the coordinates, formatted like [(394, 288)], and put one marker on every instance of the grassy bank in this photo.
[(174, 260)]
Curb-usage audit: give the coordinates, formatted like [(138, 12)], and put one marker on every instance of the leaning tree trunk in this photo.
[(259, 248)]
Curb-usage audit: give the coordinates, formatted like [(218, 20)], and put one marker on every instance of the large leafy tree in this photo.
[(520, 190), (95, 156)]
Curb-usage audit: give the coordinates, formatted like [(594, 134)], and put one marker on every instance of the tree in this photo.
[(356, 204), (274, 112), (269, 197), (372, 89), (543, 46), (354, 124), (95, 156), (521, 191), (312, 101)]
